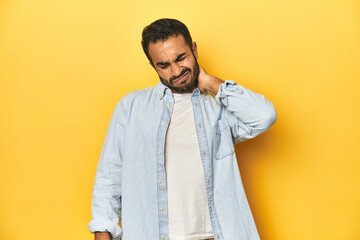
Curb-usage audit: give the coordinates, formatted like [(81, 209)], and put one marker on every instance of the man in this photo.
[(168, 160)]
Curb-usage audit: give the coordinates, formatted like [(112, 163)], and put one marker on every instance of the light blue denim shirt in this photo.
[(131, 174)]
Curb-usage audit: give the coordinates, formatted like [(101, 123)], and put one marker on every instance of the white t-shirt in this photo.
[(188, 209)]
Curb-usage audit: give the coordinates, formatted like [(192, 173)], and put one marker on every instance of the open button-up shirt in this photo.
[(131, 174)]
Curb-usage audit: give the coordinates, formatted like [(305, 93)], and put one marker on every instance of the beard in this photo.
[(184, 88)]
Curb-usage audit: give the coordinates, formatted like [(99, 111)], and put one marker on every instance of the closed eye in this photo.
[(164, 67), (181, 59)]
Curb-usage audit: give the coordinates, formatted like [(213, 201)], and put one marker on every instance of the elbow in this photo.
[(269, 118), (272, 116)]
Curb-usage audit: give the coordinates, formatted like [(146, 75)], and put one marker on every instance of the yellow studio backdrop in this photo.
[(65, 64)]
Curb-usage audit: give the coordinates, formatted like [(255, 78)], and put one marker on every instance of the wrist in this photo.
[(102, 236)]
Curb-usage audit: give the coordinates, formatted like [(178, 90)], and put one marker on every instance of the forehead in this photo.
[(169, 49)]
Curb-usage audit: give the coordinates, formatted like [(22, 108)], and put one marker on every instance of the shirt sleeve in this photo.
[(248, 113), (106, 197)]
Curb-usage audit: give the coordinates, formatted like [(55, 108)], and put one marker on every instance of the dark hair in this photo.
[(161, 30)]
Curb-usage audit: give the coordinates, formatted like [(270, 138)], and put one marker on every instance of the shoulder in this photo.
[(141, 95)]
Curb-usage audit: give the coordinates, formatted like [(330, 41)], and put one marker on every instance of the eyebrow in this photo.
[(160, 64)]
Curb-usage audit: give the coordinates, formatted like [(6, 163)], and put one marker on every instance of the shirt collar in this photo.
[(163, 90)]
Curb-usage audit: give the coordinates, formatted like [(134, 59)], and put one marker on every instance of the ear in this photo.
[(194, 48)]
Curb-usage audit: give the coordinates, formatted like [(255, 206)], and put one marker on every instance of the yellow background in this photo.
[(65, 64)]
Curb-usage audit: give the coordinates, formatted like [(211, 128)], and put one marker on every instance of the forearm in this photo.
[(102, 236), (253, 112), (248, 113)]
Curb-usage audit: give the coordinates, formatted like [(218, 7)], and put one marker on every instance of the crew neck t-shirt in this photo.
[(188, 210)]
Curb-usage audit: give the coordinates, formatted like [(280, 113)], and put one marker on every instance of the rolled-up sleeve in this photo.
[(248, 113), (106, 197)]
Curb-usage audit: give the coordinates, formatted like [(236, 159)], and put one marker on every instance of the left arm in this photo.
[(248, 113)]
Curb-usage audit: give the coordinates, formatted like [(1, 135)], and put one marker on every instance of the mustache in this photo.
[(180, 75)]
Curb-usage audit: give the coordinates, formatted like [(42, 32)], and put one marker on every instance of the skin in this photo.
[(175, 63), (102, 236)]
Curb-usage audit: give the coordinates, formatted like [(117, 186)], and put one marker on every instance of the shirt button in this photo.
[(162, 123), (159, 181), (169, 105), (199, 125), (163, 237), (159, 153), (209, 182), (161, 209), (218, 237), (195, 104)]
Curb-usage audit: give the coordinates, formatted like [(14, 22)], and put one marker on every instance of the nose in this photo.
[(175, 69)]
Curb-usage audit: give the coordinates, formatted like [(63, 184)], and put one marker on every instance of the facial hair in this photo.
[(185, 87)]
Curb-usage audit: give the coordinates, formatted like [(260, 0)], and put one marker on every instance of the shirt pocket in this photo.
[(224, 145)]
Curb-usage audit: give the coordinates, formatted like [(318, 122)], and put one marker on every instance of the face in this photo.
[(175, 63)]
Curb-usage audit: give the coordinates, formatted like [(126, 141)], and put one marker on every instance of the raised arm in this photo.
[(247, 113)]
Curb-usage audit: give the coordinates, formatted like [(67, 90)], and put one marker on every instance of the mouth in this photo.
[(182, 78)]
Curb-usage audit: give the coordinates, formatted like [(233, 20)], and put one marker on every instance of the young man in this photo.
[(168, 159)]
